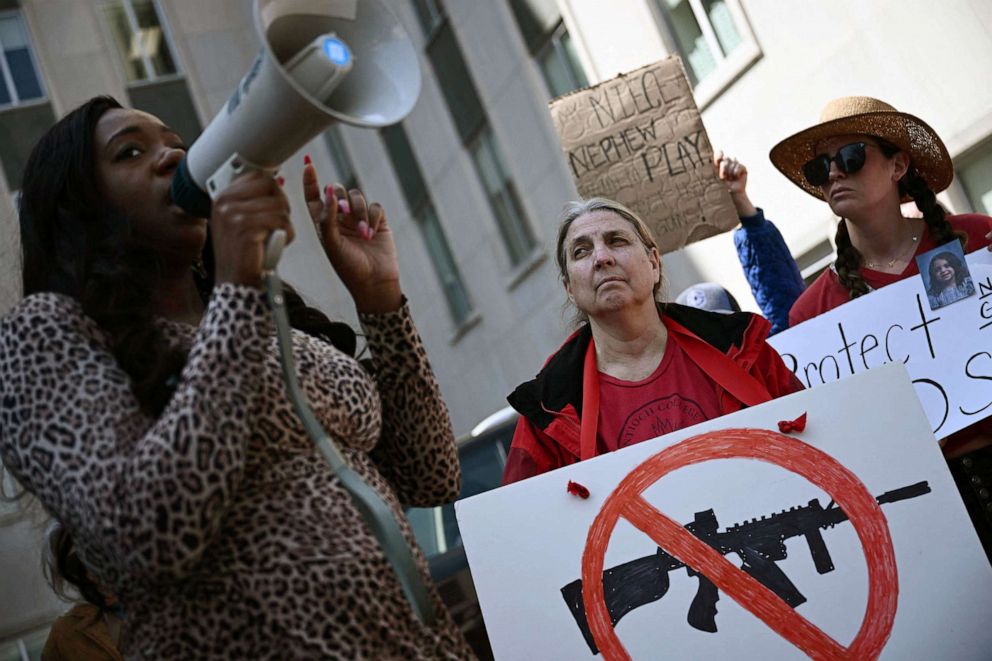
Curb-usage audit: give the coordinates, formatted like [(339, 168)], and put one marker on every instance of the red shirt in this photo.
[(826, 292), (678, 394)]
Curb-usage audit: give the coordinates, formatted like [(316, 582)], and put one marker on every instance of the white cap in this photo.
[(708, 296)]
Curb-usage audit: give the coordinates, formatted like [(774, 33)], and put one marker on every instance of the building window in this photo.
[(708, 34), (25, 113), (444, 263), (456, 82), (560, 65), (465, 107), (342, 161), (975, 175), (411, 180), (21, 80), (502, 194), (154, 82), (142, 47), (549, 43), (430, 13)]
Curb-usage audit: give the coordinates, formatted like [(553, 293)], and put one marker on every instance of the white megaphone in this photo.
[(321, 61)]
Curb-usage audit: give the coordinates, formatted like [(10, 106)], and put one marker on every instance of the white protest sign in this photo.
[(946, 351), (902, 577)]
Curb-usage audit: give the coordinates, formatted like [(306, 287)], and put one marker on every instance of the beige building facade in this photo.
[(473, 180)]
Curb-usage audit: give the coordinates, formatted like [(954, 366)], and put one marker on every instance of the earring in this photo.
[(199, 269)]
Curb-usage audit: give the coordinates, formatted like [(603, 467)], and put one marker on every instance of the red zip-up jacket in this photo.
[(550, 405)]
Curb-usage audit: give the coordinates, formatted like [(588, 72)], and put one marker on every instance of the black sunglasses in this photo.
[(849, 159)]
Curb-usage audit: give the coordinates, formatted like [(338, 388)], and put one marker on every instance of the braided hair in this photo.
[(849, 260)]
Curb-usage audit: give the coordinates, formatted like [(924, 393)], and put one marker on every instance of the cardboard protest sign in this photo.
[(731, 539), (639, 139), (947, 351)]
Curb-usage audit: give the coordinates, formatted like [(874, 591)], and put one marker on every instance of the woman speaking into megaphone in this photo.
[(142, 404)]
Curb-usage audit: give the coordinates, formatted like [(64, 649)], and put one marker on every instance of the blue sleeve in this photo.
[(769, 268)]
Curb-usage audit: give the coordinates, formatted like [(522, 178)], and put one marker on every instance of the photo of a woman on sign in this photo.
[(948, 279)]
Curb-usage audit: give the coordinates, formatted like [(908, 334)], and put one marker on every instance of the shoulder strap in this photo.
[(718, 366), (590, 404)]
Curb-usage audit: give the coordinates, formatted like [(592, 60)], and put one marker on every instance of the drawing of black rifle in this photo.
[(760, 543)]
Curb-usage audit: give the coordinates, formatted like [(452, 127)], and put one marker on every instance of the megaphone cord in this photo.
[(374, 510)]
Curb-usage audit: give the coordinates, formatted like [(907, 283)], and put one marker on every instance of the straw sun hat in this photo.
[(868, 116)]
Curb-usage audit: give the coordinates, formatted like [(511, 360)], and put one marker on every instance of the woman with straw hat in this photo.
[(864, 158)]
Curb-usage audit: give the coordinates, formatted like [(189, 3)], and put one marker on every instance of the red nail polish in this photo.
[(307, 160)]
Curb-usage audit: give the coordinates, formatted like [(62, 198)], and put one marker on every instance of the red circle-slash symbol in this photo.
[(816, 466)]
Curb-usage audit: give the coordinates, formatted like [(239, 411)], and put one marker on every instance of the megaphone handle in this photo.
[(273, 250)]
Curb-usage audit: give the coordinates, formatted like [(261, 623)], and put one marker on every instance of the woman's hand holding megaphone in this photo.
[(244, 215), (358, 242)]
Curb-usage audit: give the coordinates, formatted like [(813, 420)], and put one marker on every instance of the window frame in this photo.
[(132, 21), (519, 256), (340, 155), (437, 11), (417, 196), (729, 67), (552, 45), (472, 134), (7, 75), (427, 217), (960, 193)]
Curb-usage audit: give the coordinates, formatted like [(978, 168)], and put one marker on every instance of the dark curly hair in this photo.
[(74, 243), (960, 273), (849, 260), (61, 564)]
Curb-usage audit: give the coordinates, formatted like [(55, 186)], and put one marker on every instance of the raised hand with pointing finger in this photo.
[(357, 241)]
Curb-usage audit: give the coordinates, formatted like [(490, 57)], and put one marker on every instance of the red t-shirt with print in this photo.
[(678, 394)]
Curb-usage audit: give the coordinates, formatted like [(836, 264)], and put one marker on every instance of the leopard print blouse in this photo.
[(218, 525)]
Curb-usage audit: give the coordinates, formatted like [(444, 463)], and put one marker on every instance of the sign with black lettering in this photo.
[(948, 352), (639, 139), (736, 540)]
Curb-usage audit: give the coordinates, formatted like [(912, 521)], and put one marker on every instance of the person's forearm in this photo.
[(743, 205)]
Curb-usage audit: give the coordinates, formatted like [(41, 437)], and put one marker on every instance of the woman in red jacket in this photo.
[(865, 159), (635, 368)]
